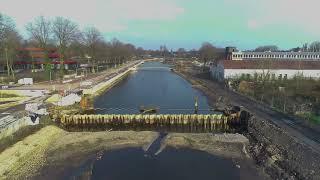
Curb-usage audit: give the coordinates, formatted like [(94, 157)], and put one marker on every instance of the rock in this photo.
[(34, 108), (25, 81), (86, 83), (69, 100), (54, 98)]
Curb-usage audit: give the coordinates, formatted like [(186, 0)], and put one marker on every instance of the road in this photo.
[(75, 84), (96, 78)]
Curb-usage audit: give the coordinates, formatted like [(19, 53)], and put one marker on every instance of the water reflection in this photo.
[(152, 85), (134, 164)]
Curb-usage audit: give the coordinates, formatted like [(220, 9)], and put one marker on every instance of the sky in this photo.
[(245, 24)]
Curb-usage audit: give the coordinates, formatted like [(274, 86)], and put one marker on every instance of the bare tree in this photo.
[(128, 51), (13, 41), (10, 40), (271, 48), (314, 46), (207, 52), (64, 31), (6, 25), (181, 52), (305, 47), (76, 49), (40, 31), (140, 52), (91, 38), (266, 66)]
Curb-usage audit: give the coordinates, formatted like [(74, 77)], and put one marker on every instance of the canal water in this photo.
[(152, 85), (171, 163)]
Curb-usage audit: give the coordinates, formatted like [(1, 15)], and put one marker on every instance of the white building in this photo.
[(302, 56), (285, 69)]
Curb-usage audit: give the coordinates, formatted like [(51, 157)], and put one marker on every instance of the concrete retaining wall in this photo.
[(107, 84), (11, 124)]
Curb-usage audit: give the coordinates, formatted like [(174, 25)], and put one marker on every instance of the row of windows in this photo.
[(272, 76), (275, 56)]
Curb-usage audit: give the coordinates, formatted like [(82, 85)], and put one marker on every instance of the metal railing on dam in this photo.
[(172, 122)]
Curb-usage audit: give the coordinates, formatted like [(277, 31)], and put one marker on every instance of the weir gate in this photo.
[(161, 122)]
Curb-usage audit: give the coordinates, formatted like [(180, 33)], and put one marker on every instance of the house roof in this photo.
[(271, 64)]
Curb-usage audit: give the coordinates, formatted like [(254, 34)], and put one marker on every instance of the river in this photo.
[(152, 85)]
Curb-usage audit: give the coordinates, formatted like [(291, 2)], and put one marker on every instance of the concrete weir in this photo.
[(172, 122)]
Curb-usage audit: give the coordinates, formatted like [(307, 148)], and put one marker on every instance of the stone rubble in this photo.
[(69, 100), (34, 108)]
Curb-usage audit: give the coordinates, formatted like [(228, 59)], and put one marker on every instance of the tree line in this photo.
[(312, 47), (65, 36)]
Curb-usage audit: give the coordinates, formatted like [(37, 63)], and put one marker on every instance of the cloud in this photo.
[(106, 15), (299, 14), (145, 9)]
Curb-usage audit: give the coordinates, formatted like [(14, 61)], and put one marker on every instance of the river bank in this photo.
[(216, 101), (52, 153), (110, 81), (91, 92), (283, 148)]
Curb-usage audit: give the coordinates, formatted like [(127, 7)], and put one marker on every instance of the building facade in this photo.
[(227, 69), (277, 64), (29, 58), (304, 56), (233, 54)]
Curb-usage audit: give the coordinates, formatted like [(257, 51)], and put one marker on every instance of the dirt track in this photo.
[(295, 126), (75, 84), (285, 147)]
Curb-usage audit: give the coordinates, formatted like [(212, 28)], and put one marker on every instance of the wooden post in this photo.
[(196, 108)]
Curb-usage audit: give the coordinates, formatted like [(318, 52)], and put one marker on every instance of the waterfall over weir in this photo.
[(164, 123)]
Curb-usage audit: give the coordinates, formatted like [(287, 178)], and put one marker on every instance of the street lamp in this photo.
[(88, 58)]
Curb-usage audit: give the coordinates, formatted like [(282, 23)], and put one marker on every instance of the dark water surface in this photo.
[(152, 85), (135, 164)]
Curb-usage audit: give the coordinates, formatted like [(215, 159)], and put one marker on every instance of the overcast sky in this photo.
[(183, 23)]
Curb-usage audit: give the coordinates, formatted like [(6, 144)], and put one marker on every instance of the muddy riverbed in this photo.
[(132, 155), (53, 153)]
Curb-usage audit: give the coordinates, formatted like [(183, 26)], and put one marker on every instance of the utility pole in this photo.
[(8, 69), (50, 77), (32, 66)]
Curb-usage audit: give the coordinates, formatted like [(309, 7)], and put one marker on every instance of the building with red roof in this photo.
[(277, 64), (31, 56)]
